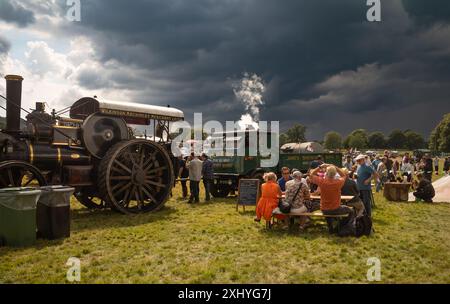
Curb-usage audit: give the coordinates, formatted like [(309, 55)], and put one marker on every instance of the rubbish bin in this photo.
[(18, 216), (53, 212)]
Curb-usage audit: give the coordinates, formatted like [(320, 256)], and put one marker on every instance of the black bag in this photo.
[(363, 225), (285, 206), (348, 229)]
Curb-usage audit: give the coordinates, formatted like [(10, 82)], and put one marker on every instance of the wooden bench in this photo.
[(330, 219)]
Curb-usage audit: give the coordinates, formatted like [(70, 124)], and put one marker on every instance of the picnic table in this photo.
[(344, 198), (318, 213)]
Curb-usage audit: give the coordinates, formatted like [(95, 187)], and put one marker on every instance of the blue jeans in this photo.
[(195, 191), (366, 197), (207, 183)]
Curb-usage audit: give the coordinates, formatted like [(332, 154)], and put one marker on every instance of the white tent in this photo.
[(442, 189)]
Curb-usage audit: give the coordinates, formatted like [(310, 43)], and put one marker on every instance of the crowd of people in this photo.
[(328, 181), (355, 179), (194, 168), (417, 170)]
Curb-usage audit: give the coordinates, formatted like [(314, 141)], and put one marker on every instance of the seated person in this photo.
[(425, 189), (297, 193), (350, 188), (285, 177), (270, 193), (330, 188)]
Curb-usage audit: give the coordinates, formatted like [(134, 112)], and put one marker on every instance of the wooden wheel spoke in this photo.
[(122, 189), (121, 177), (11, 178), (120, 164), (150, 196), (141, 156), (147, 181), (154, 170), (30, 180), (126, 198), (149, 161), (140, 200), (118, 170), (131, 156)]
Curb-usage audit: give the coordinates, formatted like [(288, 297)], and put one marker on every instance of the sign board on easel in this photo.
[(249, 192)]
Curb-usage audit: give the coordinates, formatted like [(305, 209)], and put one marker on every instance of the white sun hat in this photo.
[(360, 156)]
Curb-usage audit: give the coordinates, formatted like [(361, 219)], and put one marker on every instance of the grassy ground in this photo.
[(212, 243)]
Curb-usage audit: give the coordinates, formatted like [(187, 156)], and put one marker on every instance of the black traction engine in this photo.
[(94, 150)]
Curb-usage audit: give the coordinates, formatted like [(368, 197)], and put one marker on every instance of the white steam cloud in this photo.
[(250, 92)]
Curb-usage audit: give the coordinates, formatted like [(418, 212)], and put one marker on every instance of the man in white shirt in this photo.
[(195, 167)]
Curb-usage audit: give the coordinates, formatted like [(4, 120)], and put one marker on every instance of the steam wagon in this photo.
[(95, 150)]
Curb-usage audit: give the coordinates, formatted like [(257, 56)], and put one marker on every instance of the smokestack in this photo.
[(14, 102)]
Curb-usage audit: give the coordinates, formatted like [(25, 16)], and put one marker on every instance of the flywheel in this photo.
[(101, 132)]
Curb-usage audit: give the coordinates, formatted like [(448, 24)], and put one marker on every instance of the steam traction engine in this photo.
[(93, 150)]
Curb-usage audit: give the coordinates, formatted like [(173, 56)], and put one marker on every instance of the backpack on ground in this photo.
[(349, 229), (363, 225)]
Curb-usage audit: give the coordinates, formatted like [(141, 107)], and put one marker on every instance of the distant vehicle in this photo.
[(228, 170), (371, 153), (419, 153)]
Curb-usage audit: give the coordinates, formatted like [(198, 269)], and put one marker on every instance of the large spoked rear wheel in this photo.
[(89, 201), (136, 176), (20, 174)]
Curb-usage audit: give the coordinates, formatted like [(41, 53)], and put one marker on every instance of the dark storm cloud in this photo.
[(428, 12), (14, 12), (315, 56)]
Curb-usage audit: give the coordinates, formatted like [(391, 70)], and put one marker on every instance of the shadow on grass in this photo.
[(39, 245), (85, 219), (316, 231)]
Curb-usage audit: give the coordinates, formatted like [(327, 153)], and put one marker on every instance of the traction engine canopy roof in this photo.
[(134, 113)]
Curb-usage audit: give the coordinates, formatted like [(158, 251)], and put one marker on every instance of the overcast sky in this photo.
[(324, 65)]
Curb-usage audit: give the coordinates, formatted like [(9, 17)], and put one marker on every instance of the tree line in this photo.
[(439, 139), (361, 139)]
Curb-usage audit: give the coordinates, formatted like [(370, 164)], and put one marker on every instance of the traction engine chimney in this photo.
[(13, 104)]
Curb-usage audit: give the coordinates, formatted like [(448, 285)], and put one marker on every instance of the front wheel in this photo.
[(220, 191)]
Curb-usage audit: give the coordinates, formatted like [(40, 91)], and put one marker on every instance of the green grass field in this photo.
[(212, 243)]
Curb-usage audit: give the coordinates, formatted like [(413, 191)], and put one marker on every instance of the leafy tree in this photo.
[(296, 133), (333, 140), (376, 140), (397, 140), (440, 137), (283, 139), (414, 140), (357, 141), (361, 139)]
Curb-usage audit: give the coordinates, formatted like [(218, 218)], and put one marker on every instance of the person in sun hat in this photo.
[(365, 174), (350, 188)]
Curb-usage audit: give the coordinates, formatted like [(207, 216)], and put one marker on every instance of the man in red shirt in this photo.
[(330, 191)]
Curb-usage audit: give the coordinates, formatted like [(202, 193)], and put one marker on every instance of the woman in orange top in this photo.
[(271, 192)]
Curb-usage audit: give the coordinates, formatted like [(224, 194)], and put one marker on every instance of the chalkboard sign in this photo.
[(249, 192)]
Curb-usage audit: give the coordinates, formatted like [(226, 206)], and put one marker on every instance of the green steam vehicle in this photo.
[(228, 170)]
